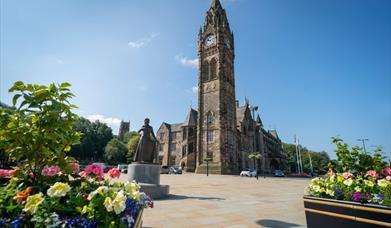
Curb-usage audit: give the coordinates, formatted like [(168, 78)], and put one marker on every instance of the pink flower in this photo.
[(51, 170), (372, 173), (386, 172), (114, 173), (388, 178), (83, 174), (331, 173), (75, 166), (6, 173), (347, 175), (94, 169)]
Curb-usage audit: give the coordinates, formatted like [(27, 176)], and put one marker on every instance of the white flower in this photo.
[(119, 203), (357, 189), (348, 182), (59, 189), (382, 183), (330, 192), (108, 204)]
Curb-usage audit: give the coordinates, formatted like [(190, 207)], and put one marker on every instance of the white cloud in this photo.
[(194, 89), (186, 61), (142, 42), (114, 123)]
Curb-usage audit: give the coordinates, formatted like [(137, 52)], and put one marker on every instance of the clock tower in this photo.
[(216, 95)]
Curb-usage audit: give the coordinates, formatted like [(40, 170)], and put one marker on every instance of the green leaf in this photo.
[(15, 99), (65, 84)]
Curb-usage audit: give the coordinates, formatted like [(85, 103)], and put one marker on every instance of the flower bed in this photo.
[(355, 192), (47, 189), (78, 199)]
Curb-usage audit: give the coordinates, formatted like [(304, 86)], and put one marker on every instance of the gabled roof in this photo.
[(191, 118), (176, 127), (240, 114)]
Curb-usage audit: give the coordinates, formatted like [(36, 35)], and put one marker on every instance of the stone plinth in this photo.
[(148, 176)]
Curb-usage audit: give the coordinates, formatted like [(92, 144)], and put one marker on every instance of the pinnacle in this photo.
[(216, 4)]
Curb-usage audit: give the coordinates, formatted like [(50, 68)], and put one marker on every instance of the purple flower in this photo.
[(337, 192), (356, 197)]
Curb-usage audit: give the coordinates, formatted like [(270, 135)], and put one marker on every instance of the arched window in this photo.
[(213, 70), (209, 118), (205, 72)]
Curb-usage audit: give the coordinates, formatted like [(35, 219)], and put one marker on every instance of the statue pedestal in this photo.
[(148, 176)]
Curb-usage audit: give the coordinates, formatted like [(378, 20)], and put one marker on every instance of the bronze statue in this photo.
[(146, 148)]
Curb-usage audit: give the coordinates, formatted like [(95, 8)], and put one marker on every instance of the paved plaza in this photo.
[(229, 201)]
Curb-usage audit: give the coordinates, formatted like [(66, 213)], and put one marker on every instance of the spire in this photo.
[(216, 4)]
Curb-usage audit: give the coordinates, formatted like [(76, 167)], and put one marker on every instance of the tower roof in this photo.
[(191, 118)]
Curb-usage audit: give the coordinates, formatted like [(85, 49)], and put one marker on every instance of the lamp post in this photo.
[(254, 109), (363, 143), (207, 160)]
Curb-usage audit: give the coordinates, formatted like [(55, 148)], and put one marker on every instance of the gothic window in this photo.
[(184, 136), (191, 132), (205, 72), (191, 146), (173, 147), (213, 70), (210, 136), (184, 151), (209, 118)]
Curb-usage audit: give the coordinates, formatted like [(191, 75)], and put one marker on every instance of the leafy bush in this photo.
[(46, 189), (115, 152)]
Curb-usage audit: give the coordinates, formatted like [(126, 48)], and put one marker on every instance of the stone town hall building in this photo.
[(220, 129)]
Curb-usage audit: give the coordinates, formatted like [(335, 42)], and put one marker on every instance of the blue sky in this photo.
[(315, 68)]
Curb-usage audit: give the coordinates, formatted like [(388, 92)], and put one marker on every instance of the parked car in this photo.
[(248, 173), (175, 170), (279, 173), (164, 169), (123, 168)]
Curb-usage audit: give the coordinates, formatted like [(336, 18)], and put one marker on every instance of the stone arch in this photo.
[(183, 165), (274, 165)]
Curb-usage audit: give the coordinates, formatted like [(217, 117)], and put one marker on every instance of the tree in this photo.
[(95, 137), (320, 160), (39, 131), (115, 152), (128, 136), (255, 156), (132, 146)]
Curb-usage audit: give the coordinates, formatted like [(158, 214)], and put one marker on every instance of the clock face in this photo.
[(210, 40)]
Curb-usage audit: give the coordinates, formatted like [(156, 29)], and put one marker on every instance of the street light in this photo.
[(254, 109), (207, 160), (363, 143)]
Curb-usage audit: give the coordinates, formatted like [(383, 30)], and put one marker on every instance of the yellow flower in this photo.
[(332, 179), (33, 202), (100, 190), (348, 182), (322, 190), (339, 178), (119, 202), (85, 209), (357, 189), (131, 187), (58, 189), (108, 204), (330, 192), (369, 183), (382, 183)]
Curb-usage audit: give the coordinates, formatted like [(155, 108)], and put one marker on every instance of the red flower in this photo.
[(114, 173)]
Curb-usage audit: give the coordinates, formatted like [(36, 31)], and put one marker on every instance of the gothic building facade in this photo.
[(220, 130)]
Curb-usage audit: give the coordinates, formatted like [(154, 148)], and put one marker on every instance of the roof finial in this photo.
[(216, 4)]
